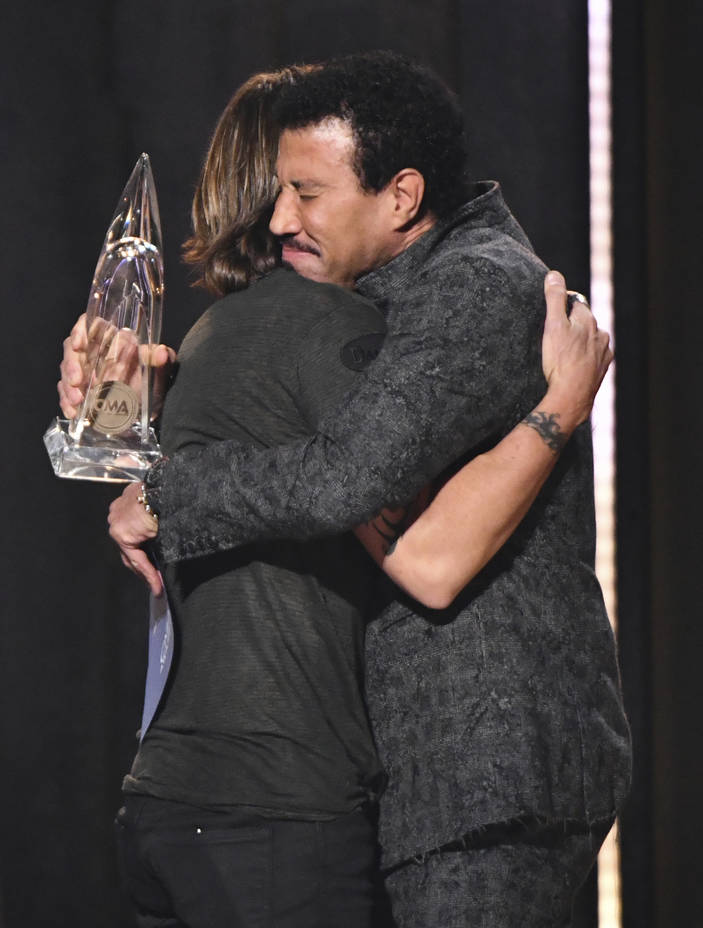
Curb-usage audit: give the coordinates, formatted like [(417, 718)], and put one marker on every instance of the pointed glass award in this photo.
[(111, 438)]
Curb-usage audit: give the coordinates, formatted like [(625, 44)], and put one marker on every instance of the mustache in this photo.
[(290, 241)]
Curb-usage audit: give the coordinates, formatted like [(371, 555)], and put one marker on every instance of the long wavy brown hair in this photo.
[(231, 244)]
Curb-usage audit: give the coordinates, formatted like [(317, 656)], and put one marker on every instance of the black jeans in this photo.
[(187, 868)]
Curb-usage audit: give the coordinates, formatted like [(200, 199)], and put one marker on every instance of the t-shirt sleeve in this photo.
[(454, 371), (333, 355)]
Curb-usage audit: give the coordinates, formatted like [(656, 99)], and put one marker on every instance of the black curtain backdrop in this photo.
[(658, 123), (86, 86)]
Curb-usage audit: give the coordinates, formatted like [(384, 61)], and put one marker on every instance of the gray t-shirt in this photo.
[(264, 707)]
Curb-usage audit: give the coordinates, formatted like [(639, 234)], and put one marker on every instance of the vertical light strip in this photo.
[(609, 906)]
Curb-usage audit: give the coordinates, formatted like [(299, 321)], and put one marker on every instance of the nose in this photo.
[(285, 219)]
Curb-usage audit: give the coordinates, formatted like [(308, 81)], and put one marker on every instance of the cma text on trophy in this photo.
[(111, 439)]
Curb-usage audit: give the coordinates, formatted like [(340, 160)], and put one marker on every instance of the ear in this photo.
[(407, 189)]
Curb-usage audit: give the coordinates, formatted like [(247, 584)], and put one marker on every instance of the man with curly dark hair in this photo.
[(497, 713), (399, 114)]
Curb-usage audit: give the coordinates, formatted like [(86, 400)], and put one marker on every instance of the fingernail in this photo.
[(553, 277)]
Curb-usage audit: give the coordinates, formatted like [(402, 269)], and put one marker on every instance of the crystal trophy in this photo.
[(111, 439)]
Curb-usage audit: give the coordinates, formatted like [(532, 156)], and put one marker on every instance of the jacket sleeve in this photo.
[(453, 372)]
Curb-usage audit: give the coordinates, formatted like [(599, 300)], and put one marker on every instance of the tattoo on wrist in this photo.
[(390, 530), (547, 427)]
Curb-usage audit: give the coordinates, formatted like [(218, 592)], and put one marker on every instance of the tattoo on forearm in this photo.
[(390, 530), (547, 427)]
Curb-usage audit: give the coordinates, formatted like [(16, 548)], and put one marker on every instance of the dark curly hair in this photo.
[(401, 116)]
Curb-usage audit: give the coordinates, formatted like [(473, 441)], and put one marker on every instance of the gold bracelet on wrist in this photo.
[(144, 502)]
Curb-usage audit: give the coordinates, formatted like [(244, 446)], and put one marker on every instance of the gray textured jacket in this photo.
[(508, 704)]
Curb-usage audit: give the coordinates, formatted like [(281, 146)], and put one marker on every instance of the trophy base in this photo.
[(108, 460)]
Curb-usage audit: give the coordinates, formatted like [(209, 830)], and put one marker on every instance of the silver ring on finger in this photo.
[(573, 296)]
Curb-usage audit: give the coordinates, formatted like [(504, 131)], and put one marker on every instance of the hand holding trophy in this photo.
[(111, 438)]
